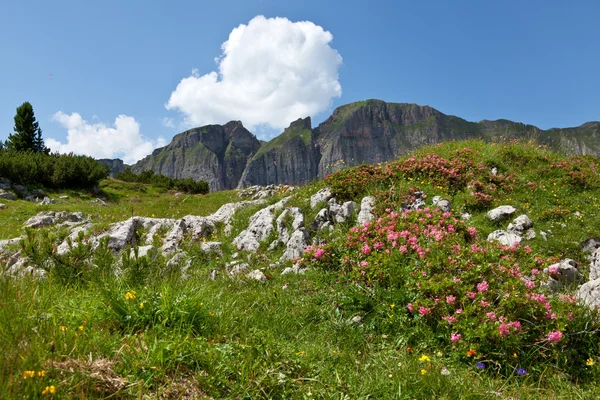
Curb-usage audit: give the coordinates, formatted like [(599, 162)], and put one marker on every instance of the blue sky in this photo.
[(117, 65)]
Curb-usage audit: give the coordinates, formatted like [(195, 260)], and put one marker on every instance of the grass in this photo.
[(289, 338)]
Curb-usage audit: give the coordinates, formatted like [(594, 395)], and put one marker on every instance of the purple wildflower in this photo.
[(521, 371), (480, 365)]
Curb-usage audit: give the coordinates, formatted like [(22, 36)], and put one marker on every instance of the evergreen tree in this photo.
[(28, 134)]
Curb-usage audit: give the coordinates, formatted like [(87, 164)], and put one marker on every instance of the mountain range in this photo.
[(229, 156)]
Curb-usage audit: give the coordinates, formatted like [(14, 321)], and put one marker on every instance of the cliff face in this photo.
[(116, 165), (369, 131), (290, 158), (215, 153)]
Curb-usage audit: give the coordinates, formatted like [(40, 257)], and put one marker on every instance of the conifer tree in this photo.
[(28, 134)]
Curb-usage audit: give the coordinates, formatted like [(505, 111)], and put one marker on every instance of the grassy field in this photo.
[(147, 333)]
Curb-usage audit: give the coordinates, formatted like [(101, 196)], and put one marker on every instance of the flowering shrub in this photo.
[(471, 294)]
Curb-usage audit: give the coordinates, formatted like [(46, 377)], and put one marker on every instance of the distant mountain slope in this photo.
[(215, 153), (368, 131)]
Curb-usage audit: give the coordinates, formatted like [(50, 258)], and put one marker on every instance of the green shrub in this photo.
[(164, 182), (51, 170)]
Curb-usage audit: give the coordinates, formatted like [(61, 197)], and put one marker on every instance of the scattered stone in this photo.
[(562, 274), (47, 200), (366, 210), (99, 201), (213, 275), (529, 234), (63, 197), (544, 236), (179, 262), (590, 245), (64, 248), (237, 268), (357, 319), (501, 213), (465, 216), (259, 228), (418, 203), (505, 238), (595, 265), (144, 251), (444, 205), (257, 275), (320, 197), (340, 212), (322, 217), (211, 247), (520, 225), (494, 171), (589, 293), (2, 206), (7, 195), (296, 245), (262, 192), (54, 217), (8, 242)]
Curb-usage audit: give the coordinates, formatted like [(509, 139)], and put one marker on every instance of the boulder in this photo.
[(54, 217), (174, 237), (520, 225), (595, 265), (501, 213), (180, 261), (562, 274), (589, 293), (294, 269), (144, 251), (366, 210), (2, 206), (120, 234), (7, 195), (8, 242), (47, 200), (296, 245), (444, 205), (465, 216), (418, 203), (63, 248), (210, 247), (505, 238), (257, 275), (589, 246), (322, 217), (320, 197), (236, 268), (340, 213), (259, 228)]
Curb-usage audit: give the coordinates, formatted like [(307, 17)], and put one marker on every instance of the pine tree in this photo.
[(28, 134)]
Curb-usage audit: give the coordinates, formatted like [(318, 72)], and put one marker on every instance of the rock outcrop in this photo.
[(217, 154)]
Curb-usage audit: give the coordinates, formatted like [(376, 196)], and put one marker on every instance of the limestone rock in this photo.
[(366, 210), (595, 265), (443, 205), (54, 217), (296, 245), (562, 274), (259, 228), (211, 247), (257, 275), (2, 206), (7, 195), (144, 251), (589, 293), (501, 213), (520, 224), (47, 200), (505, 238), (320, 197)]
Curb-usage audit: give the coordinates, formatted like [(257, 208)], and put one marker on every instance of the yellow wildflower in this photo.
[(423, 371), (41, 373), (62, 328), (130, 295), (141, 306), (49, 390), (589, 362), (300, 353), (28, 374), (392, 306), (81, 327), (424, 358)]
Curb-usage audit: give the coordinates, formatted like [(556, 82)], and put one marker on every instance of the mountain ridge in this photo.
[(367, 131)]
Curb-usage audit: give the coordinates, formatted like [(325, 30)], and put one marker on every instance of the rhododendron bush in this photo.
[(469, 293)]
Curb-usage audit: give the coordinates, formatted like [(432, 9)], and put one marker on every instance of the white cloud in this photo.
[(98, 140), (271, 72)]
